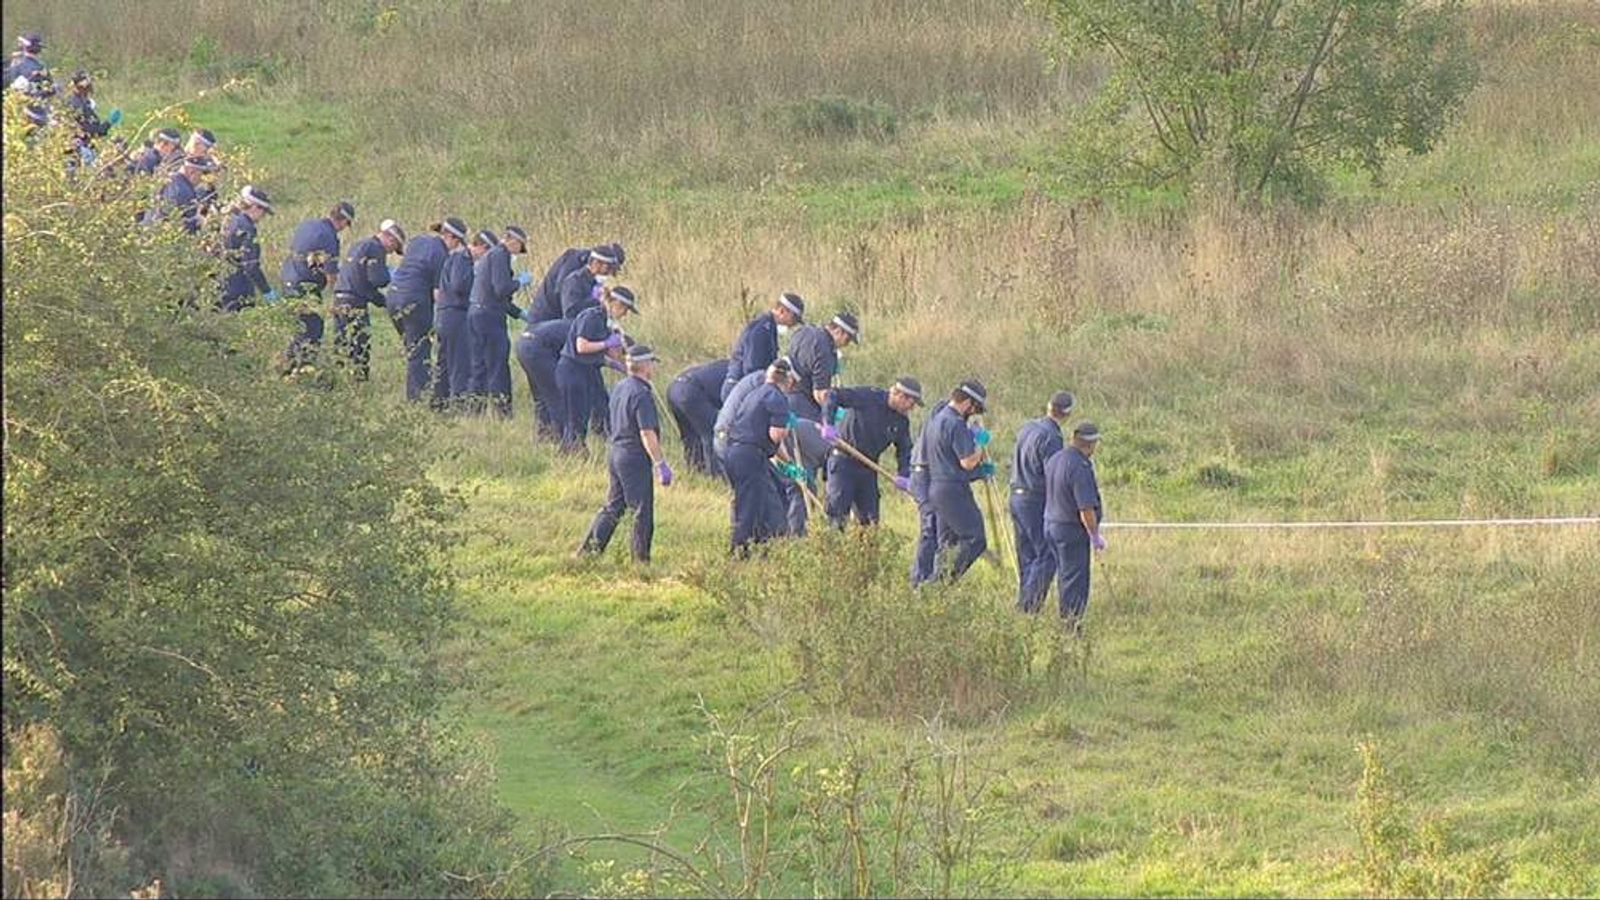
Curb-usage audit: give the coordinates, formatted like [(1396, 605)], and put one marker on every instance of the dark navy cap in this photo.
[(513, 231), (203, 163), (171, 135), (624, 295), (1086, 431), (641, 353), (793, 303), (606, 253), (455, 226), (256, 197), (393, 229), (487, 237), (909, 386), (974, 389), (31, 42), (619, 253), (345, 210), (1063, 402), (850, 324), (204, 136), (82, 76), (783, 365)]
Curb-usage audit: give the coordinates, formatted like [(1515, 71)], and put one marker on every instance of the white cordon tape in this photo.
[(1411, 523)]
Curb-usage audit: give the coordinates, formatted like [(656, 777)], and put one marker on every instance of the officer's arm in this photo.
[(1091, 521), (585, 344), (902, 451), (652, 444)]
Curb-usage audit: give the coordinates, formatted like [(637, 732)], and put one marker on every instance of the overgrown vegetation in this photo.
[(224, 598)]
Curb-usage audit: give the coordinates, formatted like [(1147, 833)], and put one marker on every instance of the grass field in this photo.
[(1425, 348)]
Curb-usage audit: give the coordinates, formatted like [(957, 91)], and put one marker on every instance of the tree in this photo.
[(1269, 93), (224, 593)]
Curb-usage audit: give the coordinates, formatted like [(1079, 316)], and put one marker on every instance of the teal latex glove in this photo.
[(793, 421), (981, 436), (986, 469), (114, 117), (524, 278), (271, 296), (838, 415)]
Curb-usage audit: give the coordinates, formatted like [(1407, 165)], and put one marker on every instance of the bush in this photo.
[(839, 117), (222, 589), (840, 604)]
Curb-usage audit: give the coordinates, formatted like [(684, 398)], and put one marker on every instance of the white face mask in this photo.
[(782, 329), (613, 324), (601, 279)]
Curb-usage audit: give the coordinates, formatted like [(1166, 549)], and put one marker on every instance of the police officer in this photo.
[(538, 350), (589, 342), (1037, 441), (546, 303), (312, 264), (1072, 516), (493, 285), (724, 420), (452, 370), (242, 249), (202, 142), (86, 111), (757, 345), (411, 298), (695, 398), (870, 420), (160, 154), (577, 291), (956, 458), (180, 195), (925, 553), (360, 282), (814, 350), (635, 452), (25, 63), (757, 428)]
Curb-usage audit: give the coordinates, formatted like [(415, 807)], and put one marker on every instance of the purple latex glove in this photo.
[(613, 341), (830, 434), (1096, 541), (903, 483), (664, 472), (614, 365)]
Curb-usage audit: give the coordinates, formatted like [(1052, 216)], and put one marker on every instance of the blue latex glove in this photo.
[(271, 296), (526, 315), (114, 117), (981, 436), (1096, 541), (524, 278), (664, 472), (986, 469), (830, 433), (613, 340), (839, 414), (903, 483), (388, 272)]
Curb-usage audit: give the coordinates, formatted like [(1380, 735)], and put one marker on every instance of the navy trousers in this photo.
[(696, 415), (303, 346), (922, 560), (756, 504), (452, 374), (1036, 559), (961, 534), (851, 486), (807, 436), (413, 321), (352, 337), (631, 489), (491, 358), (580, 386), (1071, 544), (540, 369)]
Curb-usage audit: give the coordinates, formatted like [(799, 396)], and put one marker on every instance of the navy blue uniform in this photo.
[(577, 292), (756, 501), (546, 305), (871, 426), (23, 66), (961, 532), (578, 376), (411, 309), (1070, 487), (242, 249), (301, 278), (695, 398), (360, 282), (453, 370), (538, 350), (730, 402), (492, 287), (84, 110), (1037, 441), (816, 362), (179, 197), (923, 558), (154, 162), (754, 350), (633, 411)]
